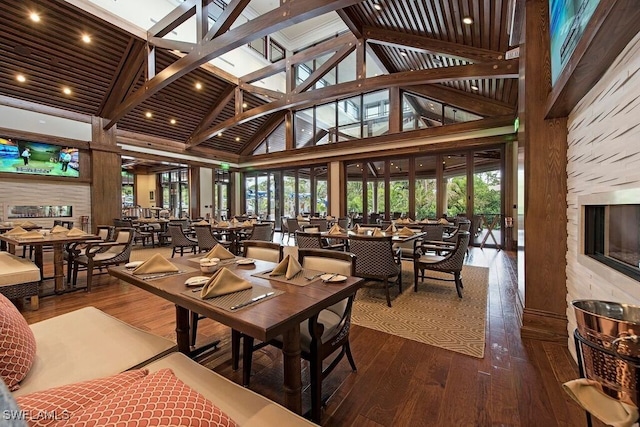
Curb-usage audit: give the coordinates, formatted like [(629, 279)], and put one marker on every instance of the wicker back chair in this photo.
[(320, 336), (376, 259), (343, 222), (263, 232), (307, 240), (320, 223), (451, 263), (206, 239), (433, 231), (292, 227), (179, 240), (103, 254)]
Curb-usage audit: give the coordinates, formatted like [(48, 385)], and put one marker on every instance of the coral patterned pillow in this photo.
[(17, 345), (59, 403), (158, 399)]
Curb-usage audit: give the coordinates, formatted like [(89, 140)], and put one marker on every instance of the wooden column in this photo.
[(194, 192), (545, 179), (106, 178)]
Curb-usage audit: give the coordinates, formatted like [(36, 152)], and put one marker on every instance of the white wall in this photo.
[(603, 156), (206, 191), (144, 185)]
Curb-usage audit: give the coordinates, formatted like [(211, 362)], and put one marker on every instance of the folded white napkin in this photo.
[(589, 395), (223, 282), (219, 252), (155, 264), (288, 267)]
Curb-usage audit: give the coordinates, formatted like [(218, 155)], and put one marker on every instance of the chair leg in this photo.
[(386, 289), (347, 349), (458, 281), (415, 277), (76, 267), (34, 302), (89, 275), (173, 252), (315, 368), (247, 356), (194, 327), (235, 349)]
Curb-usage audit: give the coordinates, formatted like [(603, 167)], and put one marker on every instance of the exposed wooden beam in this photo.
[(500, 69), (430, 45), (351, 22), (125, 77), (238, 100), (226, 18), (330, 45), (168, 44), (259, 90), (264, 131), (288, 14), (225, 97), (325, 68), (202, 20), (381, 59), (174, 19), (466, 101)]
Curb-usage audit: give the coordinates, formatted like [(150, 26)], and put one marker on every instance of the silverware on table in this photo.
[(252, 300), (331, 277)]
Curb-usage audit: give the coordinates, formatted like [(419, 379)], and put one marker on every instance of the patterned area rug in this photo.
[(434, 315)]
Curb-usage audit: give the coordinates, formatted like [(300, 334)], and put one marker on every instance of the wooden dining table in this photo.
[(264, 320), (395, 237), (57, 241), (234, 233), (5, 228)]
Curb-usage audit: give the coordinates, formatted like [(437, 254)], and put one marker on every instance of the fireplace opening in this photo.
[(612, 237)]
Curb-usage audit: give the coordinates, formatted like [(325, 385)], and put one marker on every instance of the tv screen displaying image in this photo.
[(38, 158)]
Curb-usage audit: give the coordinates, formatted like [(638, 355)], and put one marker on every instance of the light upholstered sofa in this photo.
[(88, 344)]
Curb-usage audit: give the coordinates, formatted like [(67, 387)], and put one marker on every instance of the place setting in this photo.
[(291, 272), (155, 267), (227, 291)]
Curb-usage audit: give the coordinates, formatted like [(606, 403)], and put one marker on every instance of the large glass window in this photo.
[(376, 113), (175, 192), (128, 185), (322, 202), (399, 187), (349, 126), (354, 189), (304, 192), (326, 123), (425, 189), (304, 128), (221, 194), (455, 177), (289, 183), (487, 200)]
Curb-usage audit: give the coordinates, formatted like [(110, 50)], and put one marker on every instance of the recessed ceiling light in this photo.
[(34, 17), (467, 20), (420, 164), (403, 53), (474, 87), (237, 139), (66, 91), (244, 105), (21, 78), (198, 85), (391, 163), (219, 133), (377, 6), (86, 38), (148, 114), (172, 121)]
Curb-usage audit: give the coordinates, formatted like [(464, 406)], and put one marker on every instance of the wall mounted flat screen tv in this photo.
[(38, 158), (568, 19)]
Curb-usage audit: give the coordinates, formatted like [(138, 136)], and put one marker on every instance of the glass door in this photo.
[(486, 222), (455, 184), (426, 186)]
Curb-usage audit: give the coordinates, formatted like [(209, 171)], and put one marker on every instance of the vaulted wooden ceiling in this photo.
[(404, 35)]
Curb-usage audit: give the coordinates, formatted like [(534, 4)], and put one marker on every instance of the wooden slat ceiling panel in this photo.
[(51, 55)]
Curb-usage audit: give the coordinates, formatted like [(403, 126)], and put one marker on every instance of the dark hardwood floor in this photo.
[(399, 382)]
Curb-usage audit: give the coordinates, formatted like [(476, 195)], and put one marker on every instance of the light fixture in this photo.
[(237, 139), (86, 38), (21, 78), (34, 17), (198, 85), (391, 163), (172, 121), (148, 114), (377, 6), (66, 91), (474, 87), (420, 164), (403, 53), (467, 20), (244, 105), (219, 133)]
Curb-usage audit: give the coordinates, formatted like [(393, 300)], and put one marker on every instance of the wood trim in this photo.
[(354, 25), (44, 109), (544, 325), (259, 90), (49, 139), (467, 101), (325, 68), (226, 18), (262, 133), (430, 45), (129, 69), (501, 69), (613, 24), (168, 44), (216, 108), (173, 19), (287, 14)]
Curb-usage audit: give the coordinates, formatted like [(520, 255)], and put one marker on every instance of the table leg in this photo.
[(38, 260), (11, 249), (292, 365), (182, 330), (58, 265)]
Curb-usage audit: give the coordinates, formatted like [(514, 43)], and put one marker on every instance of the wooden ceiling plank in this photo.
[(325, 68), (500, 69), (174, 19), (262, 133), (226, 19), (124, 78), (216, 108), (430, 45), (287, 14), (305, 55), (349, 19)]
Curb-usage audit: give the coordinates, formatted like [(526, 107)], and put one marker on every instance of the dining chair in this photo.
[(179, 240), (105, 233), (117, 252), (313, 240), (450, 263), (376, 259), (292, 227), (284, 229), (321, 335), (263, 231), (320, 223), (207, 240), (343, 222)]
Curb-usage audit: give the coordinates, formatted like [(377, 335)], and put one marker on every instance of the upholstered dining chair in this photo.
[(450, 263), (207, 240), (179, 240), (292, 227), (376, 259), (117, 252), (323, 334), (106, 233)]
